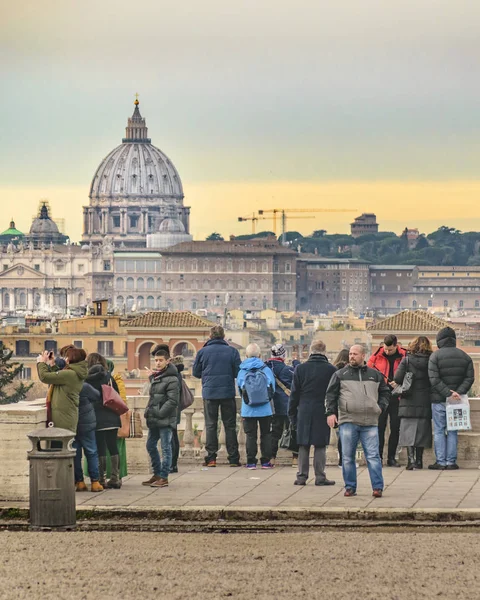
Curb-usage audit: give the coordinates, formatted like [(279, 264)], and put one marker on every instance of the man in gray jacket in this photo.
[(451, 375), (356, 396)]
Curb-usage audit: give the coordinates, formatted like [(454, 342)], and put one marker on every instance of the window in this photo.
[(181, 304), (36, 267), (150, 283), (383, 303), (399, 274), (169, 265), (5, 267), (50, 346), (81, 268), (134, 221), (229, 265), (414, 304), (460, 304), (105, 348), (140, 284), (107, 265), (445, 303), (130, 283), (194, 305), (78, 343), (477, 303), (399, 304), (287, 305), (383, 274), (140, 266), (150, 302), (275, 267), (430, 303), (120, 283), (116, 221), (152, 264), (25, 373), (60, 266), (120, 265), (288, 269), (265, 267)]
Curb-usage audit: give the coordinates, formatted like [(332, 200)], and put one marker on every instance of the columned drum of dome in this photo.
[(135, 188)]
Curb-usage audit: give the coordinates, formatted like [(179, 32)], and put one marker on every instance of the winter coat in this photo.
[(217, 365), (87, 420), (380, 362), (417, 404), (357, 395), (67, 384), (283, 373), (306, 407), (106, 418), (449, 368), (162, 406), (258, 410)]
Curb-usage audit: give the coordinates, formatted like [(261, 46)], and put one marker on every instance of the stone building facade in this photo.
[(364, 224), (391, 288)]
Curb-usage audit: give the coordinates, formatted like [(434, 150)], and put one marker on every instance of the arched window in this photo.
[(129, 302), (23, 299), (129, 283), (399, 304), (140, 302), (159, 283), (181, 304), (253, 266), (477, 303), (206, 284), (150, 283), (229, 265), (159, 302), (120, 283), (218, 284), (120, 301), (265, 267), (265, 285), (241, 266), (414, 304), (150, 302), (140, 284)]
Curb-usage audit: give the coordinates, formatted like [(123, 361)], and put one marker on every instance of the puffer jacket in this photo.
[(162, 406), (380, 362), (283, 373), (106, 418), (357, 395), (87, 420), (217, 365), (449, 368), (417, 404)]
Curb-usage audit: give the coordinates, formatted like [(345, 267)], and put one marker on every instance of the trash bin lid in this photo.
[(50, 433)]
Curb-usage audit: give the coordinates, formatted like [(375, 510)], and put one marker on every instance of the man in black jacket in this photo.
[(451, 375)]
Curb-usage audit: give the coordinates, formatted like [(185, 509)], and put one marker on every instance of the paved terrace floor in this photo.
[(195, 486)]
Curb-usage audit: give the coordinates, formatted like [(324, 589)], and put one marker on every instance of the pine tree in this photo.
[(9, 371)]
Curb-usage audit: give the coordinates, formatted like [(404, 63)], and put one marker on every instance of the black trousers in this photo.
[(391, 411), (175, 447), (107, 439), (279, 423), (250, 426), (228, 410)]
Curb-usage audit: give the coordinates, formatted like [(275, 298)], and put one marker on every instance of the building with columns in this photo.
[(133, 190)]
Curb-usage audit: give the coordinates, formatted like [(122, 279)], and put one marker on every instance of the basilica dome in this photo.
[(171, 225)]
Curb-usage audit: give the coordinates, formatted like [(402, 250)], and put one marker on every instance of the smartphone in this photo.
[(50, 354)]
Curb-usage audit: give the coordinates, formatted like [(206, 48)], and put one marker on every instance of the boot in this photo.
[(115, 483), (81, 487), (419, 458), (411, 458), (96, 487), (102, 469)]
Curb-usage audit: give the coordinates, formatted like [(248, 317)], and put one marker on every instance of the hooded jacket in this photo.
[(87, 420), (357, 395), (417, 404), (67, 384), (380, 362), (258, 410), (217, 366), (162, 406), (106, 418), (449, 368), (283, 373)]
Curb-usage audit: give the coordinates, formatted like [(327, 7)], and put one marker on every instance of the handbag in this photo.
[(186, 396), (288, 441), (405, 388), (112, 399), (124, 430), (136, 429)]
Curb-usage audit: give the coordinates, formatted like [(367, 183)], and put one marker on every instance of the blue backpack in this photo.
[(255, 388)]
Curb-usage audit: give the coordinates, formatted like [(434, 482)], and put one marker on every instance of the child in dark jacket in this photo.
[(161, 417), (85, 439)]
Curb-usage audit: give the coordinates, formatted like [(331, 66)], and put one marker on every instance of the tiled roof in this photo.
[(169, 319), (407, 320), (231, 247)]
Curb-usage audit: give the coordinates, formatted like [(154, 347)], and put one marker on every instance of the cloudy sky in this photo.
[(360, 104)]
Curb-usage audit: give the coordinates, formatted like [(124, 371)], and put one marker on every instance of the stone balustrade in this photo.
[(17, 420)]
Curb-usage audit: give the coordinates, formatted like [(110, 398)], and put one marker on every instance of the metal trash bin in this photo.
[(52, 481)]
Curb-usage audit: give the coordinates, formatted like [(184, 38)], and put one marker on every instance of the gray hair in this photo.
[(253, 350), (318, 347)]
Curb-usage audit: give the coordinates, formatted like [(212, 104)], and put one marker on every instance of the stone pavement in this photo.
[(224, 487)]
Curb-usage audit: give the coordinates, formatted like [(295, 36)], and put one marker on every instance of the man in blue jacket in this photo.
[(217, 365)]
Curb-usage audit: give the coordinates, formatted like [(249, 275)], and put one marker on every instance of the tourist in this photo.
[(121, 441), (217, 365), (66, 385), (108, 422), (256, 384), (85, 440), (451, 375), (306, 411), (386, 360), (356, 397), (340, 362), (161, 417), (283, 384), (177, 362), (415, 407)]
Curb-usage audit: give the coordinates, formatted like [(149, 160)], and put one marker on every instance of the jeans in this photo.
[(88, 442), (350, 434), (445, 441), (250, 426), (161, 467), (392, 410), (175, 447), (228, 409)]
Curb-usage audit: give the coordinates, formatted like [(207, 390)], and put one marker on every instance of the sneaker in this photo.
[(211, 463), (267, 465), (349, 492), (325, 482), (453, 467), (237, 464), (436, 467), (160, 483), (251, 466), (152, 479), (377, 493)]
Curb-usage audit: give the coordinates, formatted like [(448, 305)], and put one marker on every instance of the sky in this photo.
[(371, 106)]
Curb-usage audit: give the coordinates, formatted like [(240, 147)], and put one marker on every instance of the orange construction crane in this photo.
[(284, 211), (254, 220)]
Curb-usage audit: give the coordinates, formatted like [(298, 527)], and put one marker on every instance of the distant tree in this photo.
[(319, 233), (292, 237), (422, 242), (214, 237), (252, 236), (10, 392)]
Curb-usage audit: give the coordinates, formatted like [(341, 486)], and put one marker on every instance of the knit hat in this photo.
[(177, 360), (278, 350)]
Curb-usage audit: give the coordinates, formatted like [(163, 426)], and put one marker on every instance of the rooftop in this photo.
[(230, 247), (417, 320), (164, 319)]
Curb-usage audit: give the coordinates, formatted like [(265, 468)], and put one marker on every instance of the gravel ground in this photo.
[(328, 565)]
